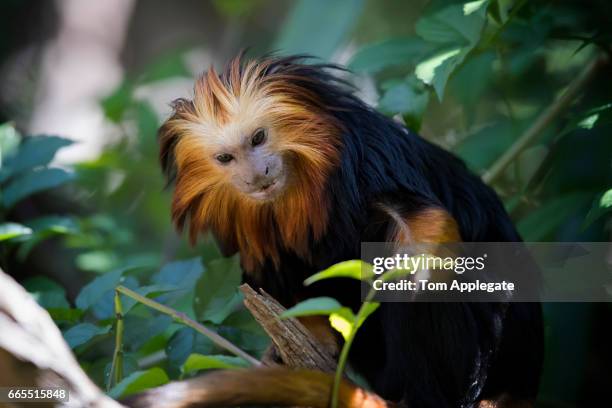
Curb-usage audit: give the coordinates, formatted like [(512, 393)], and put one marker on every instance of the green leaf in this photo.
[(82, 333), (199, 362), (35, 151), (333, 21), (216, 290), (185, 342), (313, 307), (139, 330), (54, 224), (458, 24), (589, 122), (235, 8), (9, 230), (472, 80), (9, 141), (180, 273), (94, 290), (65, 314), (436, 69), (481, 148), (116, 104), (243, 330), (368, 309), (98, 261), (32, 182), (393, 52), (48, 293), (354, 269), (408, 98), (44, 228), (478, 6), (605, 201), (458, 27), (542, 222), (342, 324), (601, 206), (139, 381)]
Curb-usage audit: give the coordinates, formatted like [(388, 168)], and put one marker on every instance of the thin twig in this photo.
[(184, 319), (545, 119), (116, 371)]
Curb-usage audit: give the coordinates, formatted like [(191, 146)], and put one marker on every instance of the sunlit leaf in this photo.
[(436, 69), (341, 324), (354, 269), (139, 381), (589, 122), (313, 306), (199, 362), (458, 28), (475, 7), (368, 309), (9, 230), (601, 205)]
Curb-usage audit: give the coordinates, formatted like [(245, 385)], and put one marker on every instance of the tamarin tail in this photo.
[(271, 386)]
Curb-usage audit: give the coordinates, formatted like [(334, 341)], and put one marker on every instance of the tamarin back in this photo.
[(285, 165)]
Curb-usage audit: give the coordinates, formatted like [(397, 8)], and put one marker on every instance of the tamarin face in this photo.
[(246, 154), (254, 145)]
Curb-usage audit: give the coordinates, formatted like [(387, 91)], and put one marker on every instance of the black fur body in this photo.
[(424, 354)]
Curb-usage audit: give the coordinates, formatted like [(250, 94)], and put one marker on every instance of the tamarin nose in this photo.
[(267, 170)]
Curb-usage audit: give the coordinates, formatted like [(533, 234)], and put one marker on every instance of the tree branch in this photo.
[(545, 119), (296, 345)]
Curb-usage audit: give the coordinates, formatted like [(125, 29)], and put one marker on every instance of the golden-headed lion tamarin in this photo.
[(285, 165)]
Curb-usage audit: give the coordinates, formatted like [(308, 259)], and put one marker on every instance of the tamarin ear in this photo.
[(168, 136)]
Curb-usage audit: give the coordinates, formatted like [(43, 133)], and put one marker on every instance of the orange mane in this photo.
[(277, 96)]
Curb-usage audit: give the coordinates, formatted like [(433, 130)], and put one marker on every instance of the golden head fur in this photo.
[(227, 107)]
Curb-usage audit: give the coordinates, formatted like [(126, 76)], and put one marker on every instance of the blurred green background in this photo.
[(84, 86)]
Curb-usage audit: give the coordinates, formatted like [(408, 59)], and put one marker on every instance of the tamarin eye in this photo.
[(259, 137), (225, 158)]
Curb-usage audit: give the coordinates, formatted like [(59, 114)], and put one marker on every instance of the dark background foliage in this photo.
[(470, 76)]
